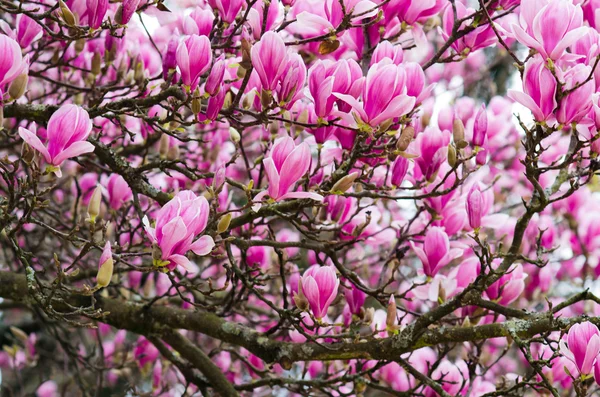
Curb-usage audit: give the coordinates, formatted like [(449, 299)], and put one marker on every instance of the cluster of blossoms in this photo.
[(339, 197)]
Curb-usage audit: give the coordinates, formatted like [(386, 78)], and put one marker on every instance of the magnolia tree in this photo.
[(299, 198)]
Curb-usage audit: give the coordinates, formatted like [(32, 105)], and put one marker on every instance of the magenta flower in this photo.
[(474, 205), (410, 11), (385, 49), (320, 286), (227, 9), (577, 104), (67, 131), (170, 58), (292, 82), (269, 58), (436, 252), (320, 85), (94, 12), (215, 78), (47, 389), (11, 62), (194, 57), (432, 144), (480, 127), (178, 223), (355, 298), (555, 27), (286, 164), (539, 86), (482, 36), (199, 22), (118, 191), (398, 170), (128, 8), (509, 287), (28, 30), (384, 95), (582, 347)]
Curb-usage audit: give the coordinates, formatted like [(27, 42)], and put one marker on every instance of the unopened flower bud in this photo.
[(224, 222), (480, 127), (345, 183), (234, 135), (96, 64), (481, 157), (246, 62), (163, 146), (390, 320), (139, 74), (19, 334), (105, 270), (93, 209), (405, 139), (18, 86), (196, 105), (301, 301), (302, 118), (474, 206), (66, 14), (369, 314), (458, 133), (451, 155)]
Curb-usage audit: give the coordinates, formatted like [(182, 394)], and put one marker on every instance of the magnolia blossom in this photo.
[(539, 86), (384, 95), (286, 164), (194, 56), (555, 27), (11, 62), (67, 131), (320, 286), (177, 224), (269, 58), (118, 191), (582, 347), (436, 252)]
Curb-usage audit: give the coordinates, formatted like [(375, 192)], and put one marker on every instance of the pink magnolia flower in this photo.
[(47, 389), (480, 127), (128, 8), (474, 205), (482, 36), (215, 78), (118, 191), (436, 252), (398, 170), (410, 11), (385, 49), (286, 164), (384, 95), (509, 287), (11, 62), (145, 352), (316, 22), (432, 144), (320, 286), (178, 222), (28, 30), (199, 22), (67, 131), (194, 57), (94, 13), (355, 298), (555, 27), (227, 9), (291, 88), (539, 86), (269, 58), (169, 63), (582, 347), (577, 104), (326, 78)]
